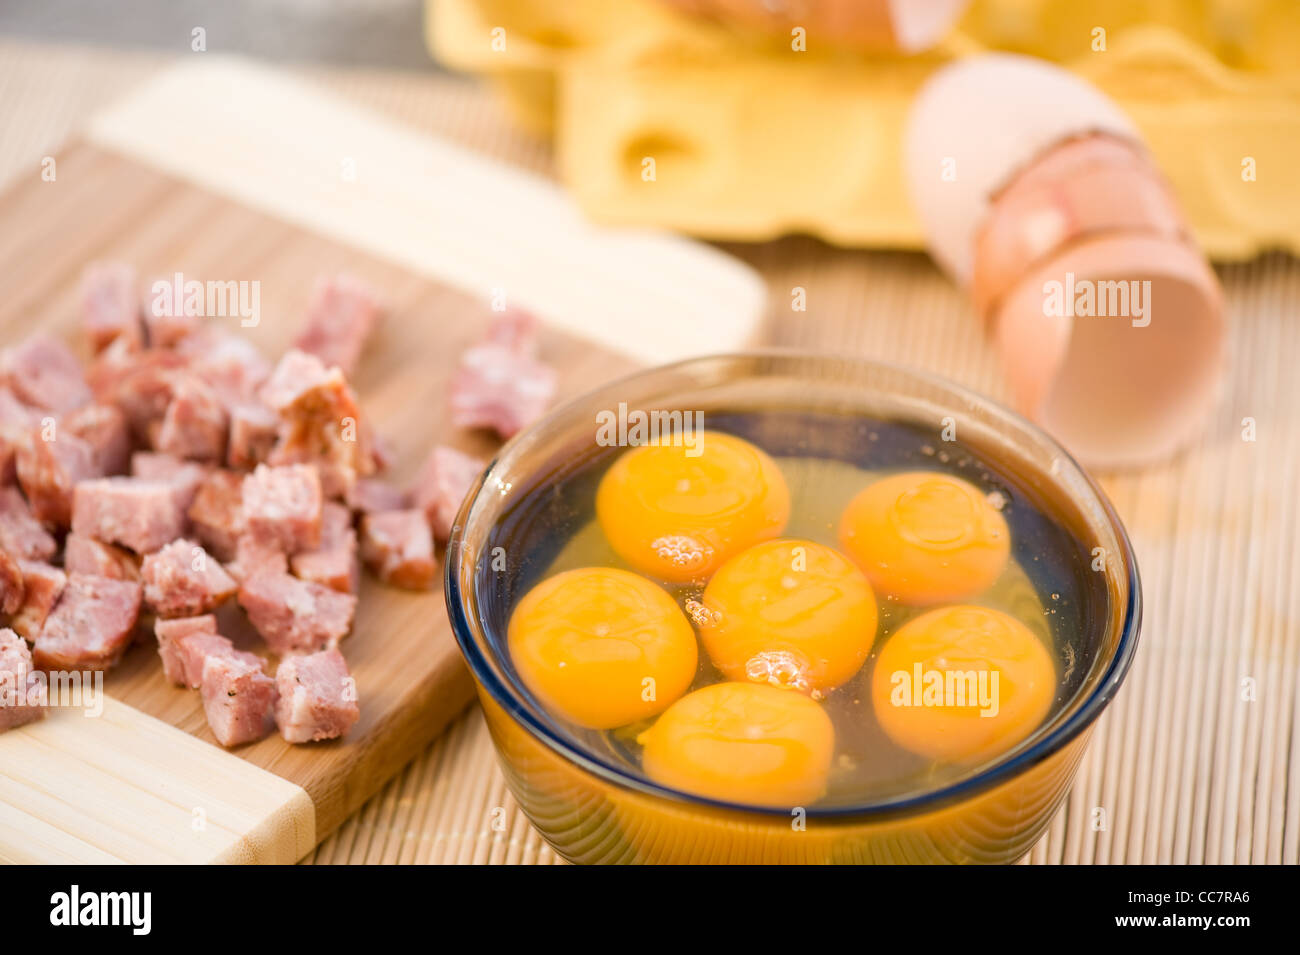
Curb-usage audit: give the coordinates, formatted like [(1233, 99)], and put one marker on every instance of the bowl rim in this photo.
[(998, 772)]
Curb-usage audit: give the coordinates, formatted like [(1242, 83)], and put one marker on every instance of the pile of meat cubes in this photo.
[(181, 470)]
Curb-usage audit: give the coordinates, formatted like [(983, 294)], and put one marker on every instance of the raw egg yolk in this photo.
[(962, 683), (925, 537), (602, 647), (791, 613), (742, 742), (676, 512)]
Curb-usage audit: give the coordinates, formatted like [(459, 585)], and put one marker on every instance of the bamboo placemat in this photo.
[(1198, 759)]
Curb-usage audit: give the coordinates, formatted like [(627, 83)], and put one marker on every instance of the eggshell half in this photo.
[(1030, 222), (974, 125), (1115, 393)]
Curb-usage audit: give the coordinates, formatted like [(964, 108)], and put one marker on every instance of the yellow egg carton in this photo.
[(660, 119)]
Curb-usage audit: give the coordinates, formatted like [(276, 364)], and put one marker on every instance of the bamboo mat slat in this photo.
[(1197, 760)]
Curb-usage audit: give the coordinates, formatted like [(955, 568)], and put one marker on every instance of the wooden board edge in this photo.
[(436, 208), (137, 790)]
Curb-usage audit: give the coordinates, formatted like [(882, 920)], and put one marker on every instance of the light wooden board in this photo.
[(115, 203), (409, 675)]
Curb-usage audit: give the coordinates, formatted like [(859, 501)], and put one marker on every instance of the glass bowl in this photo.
[(594, 808)]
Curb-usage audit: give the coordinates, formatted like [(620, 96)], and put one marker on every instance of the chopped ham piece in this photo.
[(185, 643), (283, 505), (184, 580), (318, 697), (137, 513), (16, 420), (231, 364), (253, 432), (301, 383), (183, 476), (91, 625), (320, 422), (238, 699), (341, 316), (516, 330), (167, 313), (21, 535), (217, 513), (12, 589), (85, 555), (48, 470), (104, 428), (334, 563), (43, 373), (42, 587), (375, 494), (381, 452), (110, 305), (23, 694), (256, 556), (140, 384), (195, 424), (296, 616), (398, 547), (444, 479), (501, 389), (181, 668), (110, 368)]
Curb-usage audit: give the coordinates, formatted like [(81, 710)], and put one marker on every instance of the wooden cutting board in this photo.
[(224, 171)]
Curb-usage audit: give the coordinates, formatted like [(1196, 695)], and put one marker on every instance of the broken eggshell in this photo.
[(1037, 194)]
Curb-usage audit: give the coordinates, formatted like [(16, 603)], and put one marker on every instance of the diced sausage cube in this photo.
[(398, 547), (136, 513), (382, 454), (110, 305), (184, 580), (21, 535), (515, 329), (254, 429), (296, 616), (185, 643), (238, 699), (110, 368), (283, 505), (317, 697), (43, 373), (230, 363), (302, 384), (166, 315), (23, 694), (16, 420), (178, 666), (12, 589), (500, 389), (91, 625), (195, 425), (217, 513), (48, 470), (42, 586), (140, 384), (104, 428), (184, 476), (85, 555), (376, 494), (335, 562), (320, 422), (256, 556), (444, 479), (341, 317)]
